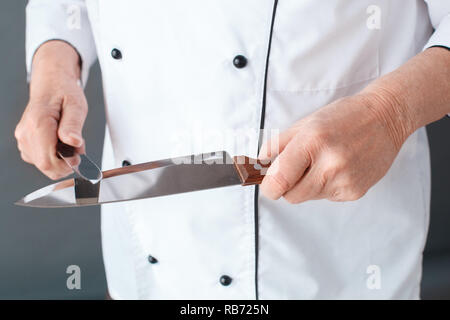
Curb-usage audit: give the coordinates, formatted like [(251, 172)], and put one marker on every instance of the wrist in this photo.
[(57, 58), (391, 110)]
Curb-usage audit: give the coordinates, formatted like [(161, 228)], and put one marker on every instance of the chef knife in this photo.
[(154, 179)]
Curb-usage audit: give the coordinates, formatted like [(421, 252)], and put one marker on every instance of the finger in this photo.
[(309, 187), (23, 147), (273, 147), (44, 151), (73, 115), (25, 157), (82, 149), (73, 161), (20, 146), (286, 170), (59, 173), (58, 169)]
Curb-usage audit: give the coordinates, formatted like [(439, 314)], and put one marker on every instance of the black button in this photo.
[(126, 163), (240, 61), (152, 259), (116, 54), (225, 280)]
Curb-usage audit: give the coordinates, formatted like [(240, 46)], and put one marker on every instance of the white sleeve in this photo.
[(439, 11), (65, 20)]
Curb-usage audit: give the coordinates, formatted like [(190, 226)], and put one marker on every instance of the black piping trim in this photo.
[(261, 127), (440, 46)]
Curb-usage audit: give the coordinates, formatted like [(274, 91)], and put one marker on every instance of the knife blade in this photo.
[(155, 179)]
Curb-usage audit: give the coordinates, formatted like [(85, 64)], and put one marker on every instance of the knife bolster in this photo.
[(251, 171)]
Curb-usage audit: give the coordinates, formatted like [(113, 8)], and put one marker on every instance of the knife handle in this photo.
[(64, 150), (251, 171)]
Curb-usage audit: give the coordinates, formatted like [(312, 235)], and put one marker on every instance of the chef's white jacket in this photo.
[(174, 85)]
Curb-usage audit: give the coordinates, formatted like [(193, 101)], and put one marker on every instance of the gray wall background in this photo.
[(37, 245)]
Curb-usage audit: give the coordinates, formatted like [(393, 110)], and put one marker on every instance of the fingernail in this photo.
[(76, 138)]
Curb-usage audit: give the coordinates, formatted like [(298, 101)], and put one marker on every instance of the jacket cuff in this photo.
[(67, 21), (441, 36)]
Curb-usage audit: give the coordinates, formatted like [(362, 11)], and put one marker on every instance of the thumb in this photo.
[(71, 123), (273, 147), (286, 170)]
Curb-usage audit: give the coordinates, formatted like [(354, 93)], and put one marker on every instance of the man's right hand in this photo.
[(56, 109)]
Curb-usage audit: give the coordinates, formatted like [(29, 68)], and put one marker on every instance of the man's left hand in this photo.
[(336, 153)]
